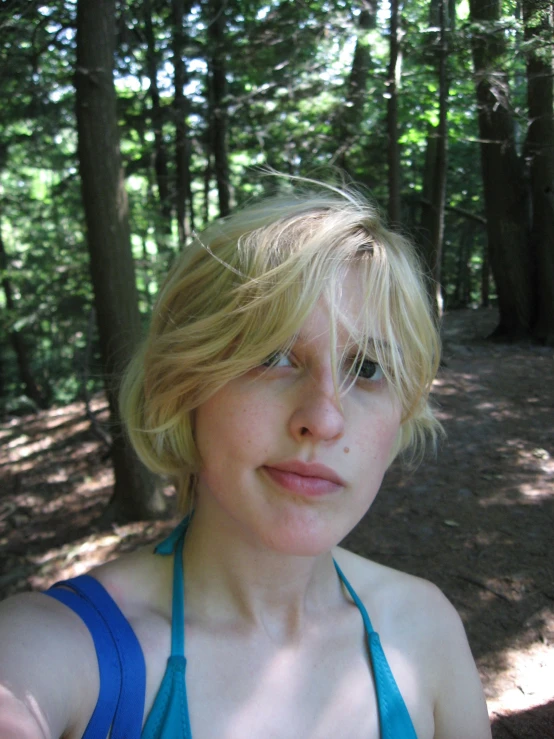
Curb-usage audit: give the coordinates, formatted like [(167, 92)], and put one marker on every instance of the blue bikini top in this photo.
[(122, 669)]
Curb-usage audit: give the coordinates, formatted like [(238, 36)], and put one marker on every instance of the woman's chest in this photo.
[(322, 687), (283, 693)]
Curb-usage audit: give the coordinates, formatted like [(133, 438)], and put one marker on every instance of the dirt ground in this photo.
[(477, 520)]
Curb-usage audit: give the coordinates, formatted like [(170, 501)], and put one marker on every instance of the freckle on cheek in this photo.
[(346, 449)]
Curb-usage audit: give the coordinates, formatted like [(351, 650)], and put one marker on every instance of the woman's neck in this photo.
[(231, 576)]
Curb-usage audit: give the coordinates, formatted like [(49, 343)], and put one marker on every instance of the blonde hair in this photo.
[(242, 289)]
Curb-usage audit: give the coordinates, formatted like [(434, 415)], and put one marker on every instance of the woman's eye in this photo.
[(367, 369), (277, 359)]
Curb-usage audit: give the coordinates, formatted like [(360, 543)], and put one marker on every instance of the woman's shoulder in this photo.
[(391, 594), (411, 615), (423, 637), (397, 587), (47, 654), (47, 667), (139, 582)]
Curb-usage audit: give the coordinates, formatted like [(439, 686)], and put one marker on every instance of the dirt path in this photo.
[(477, 520)]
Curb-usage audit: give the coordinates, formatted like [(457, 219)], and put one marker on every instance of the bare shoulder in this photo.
[(392, 596), (137, 580), (47, 668), (425, 641), (49, 679)]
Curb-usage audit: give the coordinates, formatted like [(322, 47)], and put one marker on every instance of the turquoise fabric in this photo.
[(169, 716)]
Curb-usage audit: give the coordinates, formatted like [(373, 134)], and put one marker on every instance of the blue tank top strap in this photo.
[(120, 659), (394, 719)]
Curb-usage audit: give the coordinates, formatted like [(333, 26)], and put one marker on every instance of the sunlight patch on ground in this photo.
[(77, 558), (527, 680), (536, 493), (73, 560)]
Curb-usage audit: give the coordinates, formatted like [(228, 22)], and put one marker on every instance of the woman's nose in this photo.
[(318, 414)]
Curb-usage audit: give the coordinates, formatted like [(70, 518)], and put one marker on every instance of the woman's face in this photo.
[(283, 462)]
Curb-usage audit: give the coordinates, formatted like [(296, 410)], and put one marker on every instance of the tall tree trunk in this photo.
[(485, 278), (393, 149), (539, 32), (111, 263), (462, 292), (218, 103), (503, 182), (438, 196), (350, 114), (26, 377), (183, 191), (160, 150), (426, 222), (207, 184)]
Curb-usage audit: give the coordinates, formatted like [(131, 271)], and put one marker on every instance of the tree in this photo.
[(434, 189), (505, 192), (160, 151), (111, 264), (217, 86), (539, 34), (183, 191), (349, 115), (392, 118), (32, 390)]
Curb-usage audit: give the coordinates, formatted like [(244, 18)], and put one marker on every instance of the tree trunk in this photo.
[(539, 31), (111, 263), (183, 192), (438, 198), (218, 103), (485, 278), (503, 183), (426, 222), (393, 149), (160, 151), (207, 184), (349, 116), (462, 291), (32, 390)]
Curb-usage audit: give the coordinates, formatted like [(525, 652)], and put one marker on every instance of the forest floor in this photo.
[(478, 520)]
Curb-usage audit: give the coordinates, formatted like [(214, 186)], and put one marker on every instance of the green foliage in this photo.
[(287, 66)]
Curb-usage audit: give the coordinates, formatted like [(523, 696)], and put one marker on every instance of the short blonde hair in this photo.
[(242, 289)]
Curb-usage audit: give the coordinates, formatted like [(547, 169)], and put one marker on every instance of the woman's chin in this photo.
[(301, 543)]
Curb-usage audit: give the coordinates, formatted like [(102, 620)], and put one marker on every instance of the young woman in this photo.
[(288, 362)]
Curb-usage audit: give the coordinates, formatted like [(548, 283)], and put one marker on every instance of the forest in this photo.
[(128, 125)]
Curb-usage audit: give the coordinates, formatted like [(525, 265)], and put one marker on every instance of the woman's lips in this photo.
[(310, 480)]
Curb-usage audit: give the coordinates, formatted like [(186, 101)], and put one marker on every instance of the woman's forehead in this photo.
[(345, 325)]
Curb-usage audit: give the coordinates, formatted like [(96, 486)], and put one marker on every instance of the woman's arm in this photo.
[(460, 708), (48, 669)]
